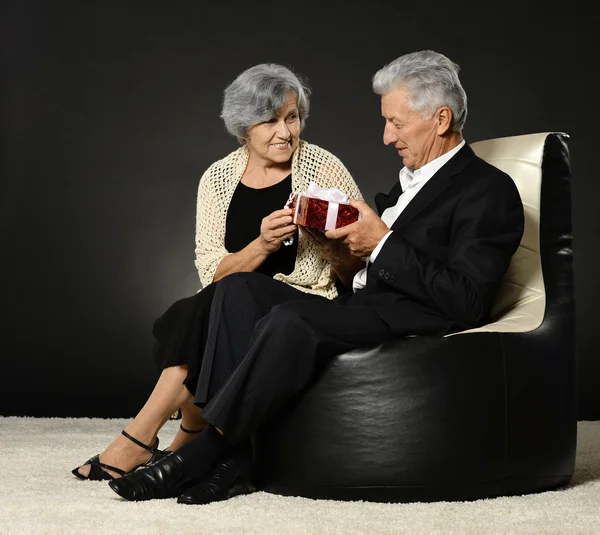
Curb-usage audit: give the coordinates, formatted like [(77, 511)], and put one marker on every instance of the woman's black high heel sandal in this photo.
[(98, 469)]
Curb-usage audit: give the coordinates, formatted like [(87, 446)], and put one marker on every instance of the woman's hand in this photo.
[(275, 228)]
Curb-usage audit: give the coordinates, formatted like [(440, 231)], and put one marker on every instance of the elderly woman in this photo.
[(241, 226)]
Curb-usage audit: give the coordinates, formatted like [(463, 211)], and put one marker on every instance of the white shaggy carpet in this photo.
[(39, 495)]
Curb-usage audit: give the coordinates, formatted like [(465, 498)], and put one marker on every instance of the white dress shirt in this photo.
[(411, 183)]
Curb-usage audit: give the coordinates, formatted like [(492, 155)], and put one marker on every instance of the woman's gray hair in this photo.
[(431, 80), (256, 95)]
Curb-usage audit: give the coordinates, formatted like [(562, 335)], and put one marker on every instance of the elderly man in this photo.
[(446, 235)]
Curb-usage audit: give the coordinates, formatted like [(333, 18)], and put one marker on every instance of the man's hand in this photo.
[(361, 237), (335, 252)]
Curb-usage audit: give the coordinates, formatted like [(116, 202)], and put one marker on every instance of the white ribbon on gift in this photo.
[(334, 196)]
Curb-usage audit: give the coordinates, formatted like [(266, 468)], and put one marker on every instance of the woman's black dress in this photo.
[(181, 331)]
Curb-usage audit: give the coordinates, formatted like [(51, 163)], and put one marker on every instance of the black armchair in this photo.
[(477, 414)]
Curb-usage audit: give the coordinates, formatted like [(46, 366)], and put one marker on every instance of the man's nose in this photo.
[(388, 135)]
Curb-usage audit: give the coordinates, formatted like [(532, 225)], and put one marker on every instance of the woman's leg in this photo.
[(178, 350), (191, 419), (168, 395)]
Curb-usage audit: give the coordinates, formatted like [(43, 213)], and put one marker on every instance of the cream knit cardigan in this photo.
[(309, 162)]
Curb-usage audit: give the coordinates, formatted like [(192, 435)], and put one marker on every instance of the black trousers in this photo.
[(264, 344)]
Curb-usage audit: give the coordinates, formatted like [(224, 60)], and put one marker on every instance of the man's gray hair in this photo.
[(431, 80), (256, 95)]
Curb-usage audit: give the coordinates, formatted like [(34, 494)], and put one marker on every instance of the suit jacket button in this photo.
[(386, 276), (381, 272), (392, 279)]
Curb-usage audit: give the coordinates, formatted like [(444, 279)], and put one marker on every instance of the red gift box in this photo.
[(320, 214)]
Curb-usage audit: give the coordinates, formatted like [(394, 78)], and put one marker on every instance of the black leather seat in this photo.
[(478, 414)]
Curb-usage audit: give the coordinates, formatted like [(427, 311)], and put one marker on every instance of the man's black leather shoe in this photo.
[(230, 477), (164, 479)]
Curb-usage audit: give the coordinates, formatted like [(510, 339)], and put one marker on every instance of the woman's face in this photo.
[(275, 140)]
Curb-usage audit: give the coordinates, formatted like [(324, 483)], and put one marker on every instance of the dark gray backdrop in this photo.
[(110, 116)]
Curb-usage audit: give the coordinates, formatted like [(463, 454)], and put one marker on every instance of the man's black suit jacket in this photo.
[(440, 269)]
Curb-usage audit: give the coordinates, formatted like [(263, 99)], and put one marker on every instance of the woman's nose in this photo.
[(283, 130)]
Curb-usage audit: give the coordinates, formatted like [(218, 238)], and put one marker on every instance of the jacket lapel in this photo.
[(435, 186)]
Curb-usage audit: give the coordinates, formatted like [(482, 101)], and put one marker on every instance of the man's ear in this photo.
[(443, 119)]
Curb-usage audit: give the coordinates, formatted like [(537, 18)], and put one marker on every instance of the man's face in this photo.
[(411, 134)]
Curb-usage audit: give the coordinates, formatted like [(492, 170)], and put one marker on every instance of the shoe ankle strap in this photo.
[(190, 431), (152, 448)]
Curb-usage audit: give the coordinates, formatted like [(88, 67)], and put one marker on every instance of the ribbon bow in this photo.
[(326, 194)]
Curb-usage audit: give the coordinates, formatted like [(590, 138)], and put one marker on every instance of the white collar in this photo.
[(410, 178)]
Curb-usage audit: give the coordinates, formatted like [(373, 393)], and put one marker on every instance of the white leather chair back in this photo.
[(521, 300)]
